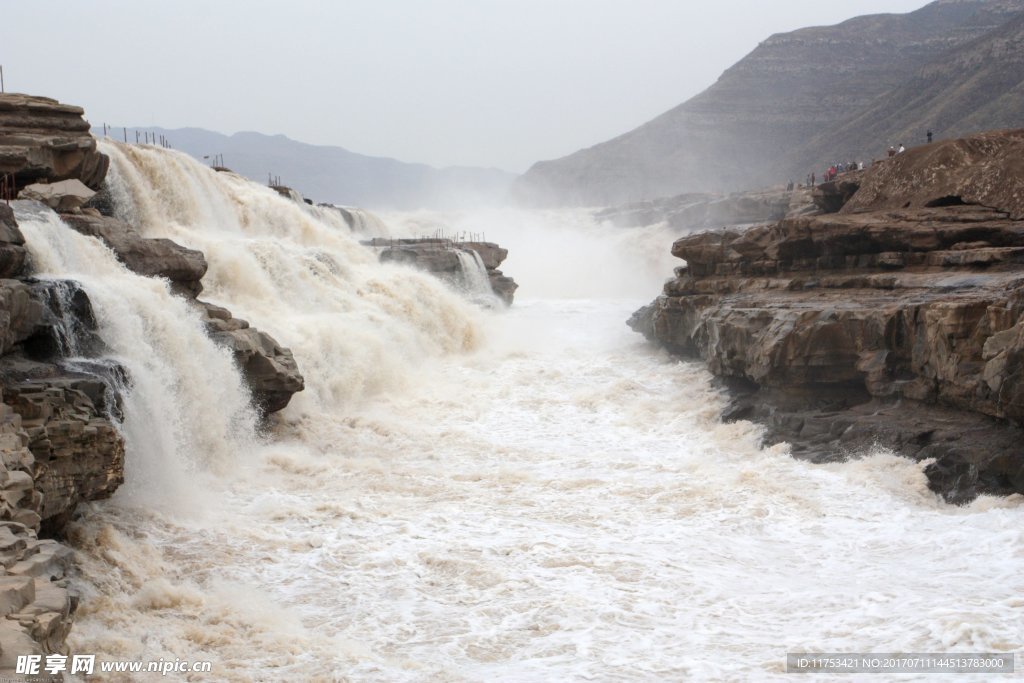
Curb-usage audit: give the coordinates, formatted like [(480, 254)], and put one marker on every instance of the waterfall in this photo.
[(354, 325), (361, 222), (185, 407), (473, 275)]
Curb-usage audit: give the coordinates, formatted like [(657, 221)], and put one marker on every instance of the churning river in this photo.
[(463, 494)]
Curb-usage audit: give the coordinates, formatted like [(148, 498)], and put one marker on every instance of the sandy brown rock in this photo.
[(44, 140), (985, 169), (269, 369), (899, 327)]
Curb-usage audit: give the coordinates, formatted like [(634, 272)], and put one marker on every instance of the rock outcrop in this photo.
[(493, 256), (44, 140), (985, 169), (58, 447), (900, 327), (184, 267), (441, 257), (803, 100), (12, 244), (269, 369)]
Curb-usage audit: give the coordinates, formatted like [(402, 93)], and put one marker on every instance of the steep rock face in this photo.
[(976, 86), (793, 104), (150, 257), (269, 369), (904, 328), (43, 140)]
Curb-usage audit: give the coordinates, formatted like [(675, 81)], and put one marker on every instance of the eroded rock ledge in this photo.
[(42, 139), (441, 257), (902, 327)]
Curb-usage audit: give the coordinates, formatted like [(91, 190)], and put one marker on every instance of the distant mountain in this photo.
[(336, 175), (975, 87), (803, 99)]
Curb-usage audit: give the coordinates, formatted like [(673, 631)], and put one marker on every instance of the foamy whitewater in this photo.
[(468, 495)]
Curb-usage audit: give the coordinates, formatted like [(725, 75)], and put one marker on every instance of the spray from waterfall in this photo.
[(355, 326), (185, 409)]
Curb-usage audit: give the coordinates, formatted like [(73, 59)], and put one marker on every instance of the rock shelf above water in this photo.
[(898, 321)]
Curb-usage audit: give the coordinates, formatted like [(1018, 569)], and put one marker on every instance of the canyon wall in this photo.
[(896, 321)]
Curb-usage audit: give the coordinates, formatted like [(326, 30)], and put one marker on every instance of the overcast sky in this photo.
[(498, 83)]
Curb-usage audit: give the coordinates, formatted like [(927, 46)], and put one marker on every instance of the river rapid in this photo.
[(467, 494)]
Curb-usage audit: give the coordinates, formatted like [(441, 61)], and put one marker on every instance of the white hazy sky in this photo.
[(498, 83)]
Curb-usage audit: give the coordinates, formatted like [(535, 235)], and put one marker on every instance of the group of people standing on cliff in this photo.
[(835, 169)]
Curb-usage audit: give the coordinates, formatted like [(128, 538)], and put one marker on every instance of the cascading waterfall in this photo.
[(354, 325), (363, 222), (560, 503), (186, 409), (473, 276)]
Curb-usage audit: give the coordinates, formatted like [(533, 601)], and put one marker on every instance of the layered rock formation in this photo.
[(805, 99), (58, 447), (874, 325), (441, 257), (44, 140), (701, 211)]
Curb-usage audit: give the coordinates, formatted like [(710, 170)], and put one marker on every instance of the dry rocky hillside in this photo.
[(896, 321), (805, 99)]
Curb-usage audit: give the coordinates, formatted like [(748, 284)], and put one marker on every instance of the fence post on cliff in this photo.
[(2, 78)]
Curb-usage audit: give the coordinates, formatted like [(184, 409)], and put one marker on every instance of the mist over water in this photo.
[(472, 495)]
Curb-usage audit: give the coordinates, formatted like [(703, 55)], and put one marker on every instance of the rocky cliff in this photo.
[(42, 139), (897, 321), (805, 99), (60, 442)]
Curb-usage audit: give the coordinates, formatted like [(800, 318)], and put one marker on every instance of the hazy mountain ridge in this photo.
[(337, 175), (774, 115)]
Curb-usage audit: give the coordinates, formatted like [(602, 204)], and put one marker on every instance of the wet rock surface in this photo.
[(184, 267), (269, 369), (903, 328)]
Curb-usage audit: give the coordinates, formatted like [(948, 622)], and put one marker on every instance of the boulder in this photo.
[(44, 140), (269, 369), (151, 257), (64, 195)]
